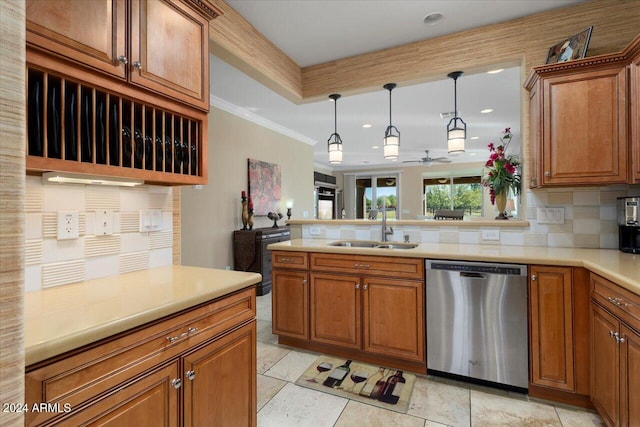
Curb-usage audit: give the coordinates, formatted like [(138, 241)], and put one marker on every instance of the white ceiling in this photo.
[(317, 31)]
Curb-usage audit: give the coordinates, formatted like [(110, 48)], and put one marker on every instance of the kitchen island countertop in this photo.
[(64, 318), (621, 268)]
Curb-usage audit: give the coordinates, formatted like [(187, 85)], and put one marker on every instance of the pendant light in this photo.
[(392, 134), (335, 142), (457, 128)]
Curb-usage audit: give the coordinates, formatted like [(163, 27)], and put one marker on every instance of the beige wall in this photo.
[(12, 199), (210, 215)]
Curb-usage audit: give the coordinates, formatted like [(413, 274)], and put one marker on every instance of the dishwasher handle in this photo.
[(473, 275)]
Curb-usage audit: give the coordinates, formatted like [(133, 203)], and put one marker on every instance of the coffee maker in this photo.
[(629, 224)]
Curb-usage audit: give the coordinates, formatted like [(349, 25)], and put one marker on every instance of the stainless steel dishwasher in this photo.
[(477, 322)]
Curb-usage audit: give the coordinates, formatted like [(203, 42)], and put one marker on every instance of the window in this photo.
[(376, 188), (464, 192)]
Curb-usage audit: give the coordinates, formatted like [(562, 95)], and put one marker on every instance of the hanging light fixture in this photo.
[(392, 134), (457, 128), (335, 142)]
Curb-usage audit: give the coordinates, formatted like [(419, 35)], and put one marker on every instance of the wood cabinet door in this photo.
[(335, 309), (585, 128), (630, 377), (93, 34), (220, 381), (148, 401), (551, 326), (290, 300), (635, 117), (160, 30), (535, 108), (605, 365), (393, 313)]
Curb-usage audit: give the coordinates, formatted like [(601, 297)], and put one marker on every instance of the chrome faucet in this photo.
[(386, 231)]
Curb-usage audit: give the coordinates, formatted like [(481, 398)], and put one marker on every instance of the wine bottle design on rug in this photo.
[(338, 375)]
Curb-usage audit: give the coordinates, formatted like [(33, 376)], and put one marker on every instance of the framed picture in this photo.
[(575, 47), (264, 186)]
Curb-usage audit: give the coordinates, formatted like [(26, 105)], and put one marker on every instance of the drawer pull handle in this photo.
[(177, 337), (617, 301), (289, 260), (176, 383), (192, 330), (620, 340), (365, 266), (190, 375)]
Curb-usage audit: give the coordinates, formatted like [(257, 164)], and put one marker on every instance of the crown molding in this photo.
[(245, 114)]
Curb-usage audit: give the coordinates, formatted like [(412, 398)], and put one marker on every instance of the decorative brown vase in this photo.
[(245, 214), (501, 204)]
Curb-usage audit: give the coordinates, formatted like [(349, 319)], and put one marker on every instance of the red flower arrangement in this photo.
[(503, 172)]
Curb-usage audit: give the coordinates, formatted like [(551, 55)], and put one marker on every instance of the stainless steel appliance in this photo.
[(477, 322), (629, 224)]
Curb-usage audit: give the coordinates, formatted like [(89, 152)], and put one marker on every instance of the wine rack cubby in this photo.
[(74, 126)]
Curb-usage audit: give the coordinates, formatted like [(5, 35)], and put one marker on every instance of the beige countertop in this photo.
[(621, 268), (66, 317), (414, 222)]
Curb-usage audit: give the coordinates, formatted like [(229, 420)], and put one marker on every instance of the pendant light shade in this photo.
[(392, 134), (334, 143), (457, 128)]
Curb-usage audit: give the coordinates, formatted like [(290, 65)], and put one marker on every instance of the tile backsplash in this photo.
[(53, 262), (589, 222)]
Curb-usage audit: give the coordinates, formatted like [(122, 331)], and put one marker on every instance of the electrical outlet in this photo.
[(103, 225), (68, 227), (314, 231)]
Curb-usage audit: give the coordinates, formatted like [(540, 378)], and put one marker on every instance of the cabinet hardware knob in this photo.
[(613, 334), (192, 330), (304, 281), (534, 277), (191, 375), (620, 340), (137, 65), (365, 287), (547, 173), (357, 286), (176, 383), (122, 59)]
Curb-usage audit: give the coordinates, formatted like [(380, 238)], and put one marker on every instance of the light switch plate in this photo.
[(103, 225), (490, 235), (150, 220), (550, 215)]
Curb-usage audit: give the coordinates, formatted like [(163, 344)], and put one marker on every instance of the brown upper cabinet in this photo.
[(581, 128), (634, 73), (141, 41)]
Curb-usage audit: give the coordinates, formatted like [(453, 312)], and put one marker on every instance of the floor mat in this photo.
[(387, 388)]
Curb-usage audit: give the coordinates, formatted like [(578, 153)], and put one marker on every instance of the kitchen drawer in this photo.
[(617, 300), (397, 267), (295, 260), (98, 367)]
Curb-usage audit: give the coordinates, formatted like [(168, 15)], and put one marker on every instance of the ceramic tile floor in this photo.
[(434, 402)]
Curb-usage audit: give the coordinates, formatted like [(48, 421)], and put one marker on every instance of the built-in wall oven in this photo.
[(477, 322)]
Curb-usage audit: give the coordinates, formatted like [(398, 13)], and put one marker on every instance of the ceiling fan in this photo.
[(427, 160)]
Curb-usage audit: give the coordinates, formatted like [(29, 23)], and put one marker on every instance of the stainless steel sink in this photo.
[(373, 244), (355, 243), (397, 245)]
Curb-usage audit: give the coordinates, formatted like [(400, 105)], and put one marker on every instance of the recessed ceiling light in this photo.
[(474, 137), (375, 147), (367, 125), (499, 70), (472, 154), (433, 18), (485, 111)]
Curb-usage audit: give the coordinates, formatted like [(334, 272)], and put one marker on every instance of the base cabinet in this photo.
[(615, 353), (369, 308), (558, 325), (196, 368)]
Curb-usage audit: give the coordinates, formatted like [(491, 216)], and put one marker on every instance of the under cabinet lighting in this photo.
[(71, 178)]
